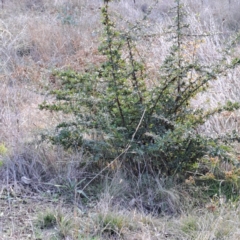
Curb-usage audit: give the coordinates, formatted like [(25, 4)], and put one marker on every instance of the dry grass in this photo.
[(39, 36), (39, 217)]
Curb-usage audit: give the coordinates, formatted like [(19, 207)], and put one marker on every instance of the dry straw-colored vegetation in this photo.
[(49, 193)]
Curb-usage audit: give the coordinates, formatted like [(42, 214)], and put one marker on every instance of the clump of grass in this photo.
[(224, 230), (113, 223), (64, 224), (110, 219), (46, 220), (189, 225), (59, 221)]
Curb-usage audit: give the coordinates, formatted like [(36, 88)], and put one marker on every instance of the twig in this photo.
[(139, 124)]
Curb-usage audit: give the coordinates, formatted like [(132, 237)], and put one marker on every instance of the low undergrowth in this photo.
[(108, 220)]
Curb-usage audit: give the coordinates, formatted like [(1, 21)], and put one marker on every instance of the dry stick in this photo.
[(139, 124), (126, 149)]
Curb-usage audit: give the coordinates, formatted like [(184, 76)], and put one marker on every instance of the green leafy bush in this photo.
[(116, 113)]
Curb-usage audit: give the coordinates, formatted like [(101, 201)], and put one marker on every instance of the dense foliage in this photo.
[(117, 112)]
